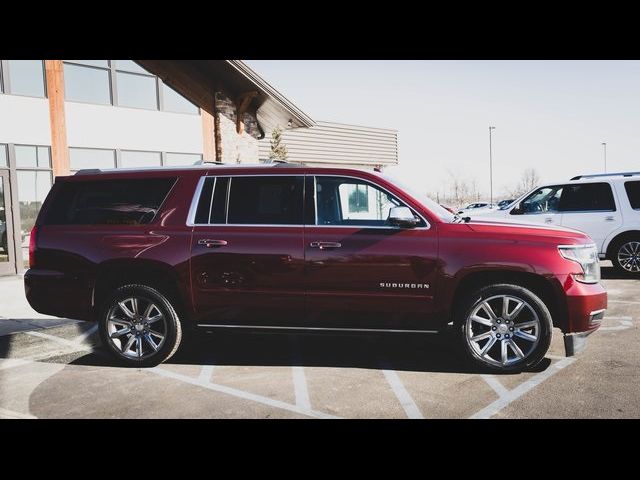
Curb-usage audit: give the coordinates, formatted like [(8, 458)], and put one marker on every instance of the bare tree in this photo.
[(528, 181), (459, 191)]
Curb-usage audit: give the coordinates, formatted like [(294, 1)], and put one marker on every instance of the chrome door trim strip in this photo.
[(336, 329)]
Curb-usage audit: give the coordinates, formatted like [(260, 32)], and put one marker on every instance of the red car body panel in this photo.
[(270, 275)]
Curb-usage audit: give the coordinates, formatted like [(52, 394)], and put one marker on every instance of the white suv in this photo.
[(606, 207)]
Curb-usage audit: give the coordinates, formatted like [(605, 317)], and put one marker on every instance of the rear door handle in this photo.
[(610, 218), (325, 245), (212, 243), (548, 220)]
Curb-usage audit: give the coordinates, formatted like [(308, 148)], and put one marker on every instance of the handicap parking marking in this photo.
[(241, 394)]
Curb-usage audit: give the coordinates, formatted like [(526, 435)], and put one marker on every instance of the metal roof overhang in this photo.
[(197, 80)]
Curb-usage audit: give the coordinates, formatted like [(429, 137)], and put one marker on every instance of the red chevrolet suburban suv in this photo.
[(149, 253)]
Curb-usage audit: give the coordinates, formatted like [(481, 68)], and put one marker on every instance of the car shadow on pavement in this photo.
[(610, 273), (403, 352)]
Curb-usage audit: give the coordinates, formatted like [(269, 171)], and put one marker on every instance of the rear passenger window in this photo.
[(268, 200), (108, 202), (587, 197), (633, 192)]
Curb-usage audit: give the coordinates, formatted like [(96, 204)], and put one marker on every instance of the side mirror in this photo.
[(402, 217)]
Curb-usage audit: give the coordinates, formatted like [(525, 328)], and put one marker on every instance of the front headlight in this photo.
[(587, 257)]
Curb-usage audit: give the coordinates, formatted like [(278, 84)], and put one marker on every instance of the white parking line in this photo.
[(502, 402), (401, 393), (205, 373), (6, 413), (493, 382), (300, 388), (90, 331), (60, 341), (242, 394), (631, 302)]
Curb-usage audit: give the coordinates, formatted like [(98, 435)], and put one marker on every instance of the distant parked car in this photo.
[(448, 209), (477, 208), (505, 203), (606, 207)]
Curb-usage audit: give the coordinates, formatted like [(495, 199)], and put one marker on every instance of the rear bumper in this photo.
[(55, 293)]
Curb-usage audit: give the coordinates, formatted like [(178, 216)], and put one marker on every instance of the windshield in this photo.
[(433, 206)]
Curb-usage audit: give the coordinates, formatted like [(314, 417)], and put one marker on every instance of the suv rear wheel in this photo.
[(139, 326), (626, 256), (504, 328)]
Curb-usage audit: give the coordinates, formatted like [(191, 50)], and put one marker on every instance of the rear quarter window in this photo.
[(633, 192), (108, 202)]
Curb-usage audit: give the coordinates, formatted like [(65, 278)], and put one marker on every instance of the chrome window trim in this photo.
[(195, 200), (213, 192), (198, 192), (226, 204)]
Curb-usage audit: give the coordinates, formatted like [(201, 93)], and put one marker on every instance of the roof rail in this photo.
[(617, 174), (88, 171)]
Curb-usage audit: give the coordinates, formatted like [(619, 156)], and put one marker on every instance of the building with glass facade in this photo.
[(60, 116)]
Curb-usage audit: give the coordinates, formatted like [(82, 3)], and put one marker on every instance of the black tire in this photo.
[(534, 353), (171, 328), (615, 250)]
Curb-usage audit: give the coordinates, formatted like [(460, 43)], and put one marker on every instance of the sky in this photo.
[(549, 115)]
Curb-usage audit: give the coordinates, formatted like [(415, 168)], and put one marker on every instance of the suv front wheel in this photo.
[(139, 326), (626, 256), (504, 328)]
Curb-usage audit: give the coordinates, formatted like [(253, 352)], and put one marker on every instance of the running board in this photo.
[(322, 329)]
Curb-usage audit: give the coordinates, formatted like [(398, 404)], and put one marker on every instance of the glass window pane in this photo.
[(204, 202), (633, 192), (44, 157), (130, 159), (26, 77), (587, 197), (174, 102), (543, 200), (348, 201), (265, 200), (80, 158), (84, 84), (4, 161), (108, 202), (136, 91), (95, 63), (33, 188), (26, 156), (182, 158), (129, 66)]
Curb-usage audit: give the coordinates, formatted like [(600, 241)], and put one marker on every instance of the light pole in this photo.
[(604, 144), (491, 166)]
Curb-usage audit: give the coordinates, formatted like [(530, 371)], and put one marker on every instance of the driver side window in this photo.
[(543, 200)]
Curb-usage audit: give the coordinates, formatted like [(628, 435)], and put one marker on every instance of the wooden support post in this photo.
[(242, 103), (55, 92)]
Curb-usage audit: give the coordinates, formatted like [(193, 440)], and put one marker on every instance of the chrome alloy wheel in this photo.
[(629, 256), (136, 327), (503, 330)]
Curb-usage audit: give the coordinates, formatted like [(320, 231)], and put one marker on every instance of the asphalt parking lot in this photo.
[(53, 369)]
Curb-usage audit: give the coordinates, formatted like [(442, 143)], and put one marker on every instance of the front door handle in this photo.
[(325, 245), (212, 243), (610, 218), (548, 220)]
